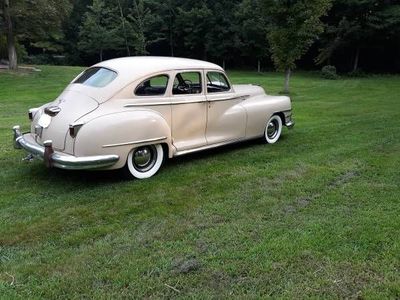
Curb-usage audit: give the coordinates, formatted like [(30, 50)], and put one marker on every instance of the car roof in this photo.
[(139, 66), (135, 68)]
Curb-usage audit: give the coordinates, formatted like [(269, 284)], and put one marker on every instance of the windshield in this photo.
[(96, 77)]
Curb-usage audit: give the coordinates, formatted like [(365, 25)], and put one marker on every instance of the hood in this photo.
[(55, 117)]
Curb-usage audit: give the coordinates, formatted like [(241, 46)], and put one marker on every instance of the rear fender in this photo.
[(119, 133)]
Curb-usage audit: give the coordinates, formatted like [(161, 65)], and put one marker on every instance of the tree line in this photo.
[(349, 34)]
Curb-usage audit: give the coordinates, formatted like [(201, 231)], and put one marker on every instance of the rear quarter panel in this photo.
[(116, 133)]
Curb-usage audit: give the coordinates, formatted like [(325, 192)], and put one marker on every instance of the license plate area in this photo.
[(44, 121)]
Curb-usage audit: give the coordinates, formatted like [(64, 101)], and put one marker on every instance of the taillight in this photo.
[(74, 128), (31, 113)]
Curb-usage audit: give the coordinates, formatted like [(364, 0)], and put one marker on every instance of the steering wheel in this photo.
[(185, 86)]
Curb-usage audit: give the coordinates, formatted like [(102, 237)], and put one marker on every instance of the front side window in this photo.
[(217, 82), (187, 83), (154, 86), (96, 77)]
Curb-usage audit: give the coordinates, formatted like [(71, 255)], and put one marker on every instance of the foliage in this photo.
[(100, 30), (329, 72), (140, 26), (313, 216), (222, 42), (293, 27), (239, 32), (359, 73), (356, 24), (251, 28), (38, 24), (195, 24)]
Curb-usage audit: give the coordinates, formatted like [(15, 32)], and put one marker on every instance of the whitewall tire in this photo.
[(145, 161), (273, 129)]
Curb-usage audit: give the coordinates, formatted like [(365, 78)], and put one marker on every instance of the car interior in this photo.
[(217, 83), (187, 83), (154, 86)]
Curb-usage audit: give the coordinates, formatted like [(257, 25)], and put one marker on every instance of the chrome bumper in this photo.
[(60, 160), (289, 122)]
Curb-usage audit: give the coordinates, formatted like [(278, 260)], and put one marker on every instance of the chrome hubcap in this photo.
[(272, 129), (144, 158)]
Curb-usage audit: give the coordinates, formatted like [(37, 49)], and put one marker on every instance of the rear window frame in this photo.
[(149, 78), (94, 86)]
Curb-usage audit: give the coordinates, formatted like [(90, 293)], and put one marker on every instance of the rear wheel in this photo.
[(273, 129), (145, 161)]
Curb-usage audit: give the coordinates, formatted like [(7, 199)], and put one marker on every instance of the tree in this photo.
[(196, 29), (141, 21), (222, 36), (164, 22), (23, 23), (100, 30), (357, 24), (293, 27), (71, 28), (251, 31), (9, 29)]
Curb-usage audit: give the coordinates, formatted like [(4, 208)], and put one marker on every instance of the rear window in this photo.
[(96, 77)]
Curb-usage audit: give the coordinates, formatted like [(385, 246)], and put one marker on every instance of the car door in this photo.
[(226, 118), (188, 110)]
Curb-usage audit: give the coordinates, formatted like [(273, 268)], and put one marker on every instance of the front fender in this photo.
[(119, 133)]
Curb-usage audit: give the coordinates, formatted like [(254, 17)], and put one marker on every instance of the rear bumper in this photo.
[(58, 159)]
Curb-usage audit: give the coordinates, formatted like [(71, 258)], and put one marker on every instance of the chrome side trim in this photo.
[(183, 152), (135, 142), (147, 104), (61, 160), (242, 98), (163, 103)]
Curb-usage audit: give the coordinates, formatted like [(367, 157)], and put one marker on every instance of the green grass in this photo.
[(316, 215)]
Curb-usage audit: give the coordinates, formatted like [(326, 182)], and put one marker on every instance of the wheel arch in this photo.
[(282, 116)]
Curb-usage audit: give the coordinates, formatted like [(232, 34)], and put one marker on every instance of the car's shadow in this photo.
[(94, 178)]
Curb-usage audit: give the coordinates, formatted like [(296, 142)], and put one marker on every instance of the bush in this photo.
[(329, 72), (357, 74)]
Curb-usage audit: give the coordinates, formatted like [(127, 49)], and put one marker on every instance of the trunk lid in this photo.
[(54, 118)]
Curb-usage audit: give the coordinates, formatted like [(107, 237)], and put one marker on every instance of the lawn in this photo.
[(315, 215)]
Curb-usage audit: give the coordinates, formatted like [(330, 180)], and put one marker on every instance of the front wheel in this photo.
[(145, 161), (273, 129)]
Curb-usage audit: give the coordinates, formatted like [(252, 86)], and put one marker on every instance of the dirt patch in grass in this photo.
[(185, 266), (337, 182)]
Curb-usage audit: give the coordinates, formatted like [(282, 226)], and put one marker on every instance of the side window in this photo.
[(154, 86), (217, 82), (187, 83)]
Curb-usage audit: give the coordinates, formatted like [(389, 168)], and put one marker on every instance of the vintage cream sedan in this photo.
[(133, 112)]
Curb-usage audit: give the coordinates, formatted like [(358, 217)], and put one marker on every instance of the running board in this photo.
[(183, 152)]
